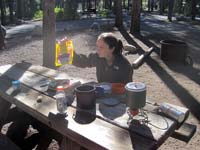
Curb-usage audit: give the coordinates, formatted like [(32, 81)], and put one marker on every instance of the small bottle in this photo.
[(16, 85), (172, 112), (61, 100)]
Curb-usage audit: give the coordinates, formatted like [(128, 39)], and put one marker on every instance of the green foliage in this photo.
[(104, 13), (38, 14), (59, 12)]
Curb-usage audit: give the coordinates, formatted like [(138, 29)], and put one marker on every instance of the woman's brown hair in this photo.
[(110, 39)]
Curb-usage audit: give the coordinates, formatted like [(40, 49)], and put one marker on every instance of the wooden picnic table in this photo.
[(107, 129)]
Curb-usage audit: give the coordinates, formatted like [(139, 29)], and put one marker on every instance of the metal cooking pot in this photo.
[(135, 95), (85, 96)]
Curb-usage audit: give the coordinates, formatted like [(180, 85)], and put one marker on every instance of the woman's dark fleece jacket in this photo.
[(119, 72)]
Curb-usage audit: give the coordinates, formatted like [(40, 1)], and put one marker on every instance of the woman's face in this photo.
[(103, 49)]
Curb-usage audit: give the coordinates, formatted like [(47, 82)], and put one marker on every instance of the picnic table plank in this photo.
[(98, 134), (29, 67), (36, 79), (47, 72)]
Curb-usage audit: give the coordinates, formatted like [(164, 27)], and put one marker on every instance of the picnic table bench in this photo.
[(107, 129)]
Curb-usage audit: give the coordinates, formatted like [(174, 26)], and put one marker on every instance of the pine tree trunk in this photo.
[(161, 11), (3, 12), (135, 21), (149, 5), (49, 34), (89, 4), (103, 4), (128, 4), (110, 4), (107, 4), (170, 9), (118, 18), (124, 4), (11, 10), (70, 7), (152, 5), (180, 6), (19, 9), (32, 8), (115, 7), (193, 9), (41, 5), (2, 44), (83, 5), (95, 4)]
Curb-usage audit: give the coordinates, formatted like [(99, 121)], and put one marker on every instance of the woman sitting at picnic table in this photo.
[(111, 66)]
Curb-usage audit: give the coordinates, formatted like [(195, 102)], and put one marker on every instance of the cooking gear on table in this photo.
[(135, 95), (85, 96)]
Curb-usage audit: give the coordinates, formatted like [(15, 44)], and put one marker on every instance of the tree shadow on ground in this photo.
[(26, 38), (156, 28), (186, 98), (187, 70), (19, 41)]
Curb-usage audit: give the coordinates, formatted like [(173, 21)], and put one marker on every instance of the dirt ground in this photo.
[(166, 81)]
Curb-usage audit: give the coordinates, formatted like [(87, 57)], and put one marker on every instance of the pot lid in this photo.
[(135, 86)]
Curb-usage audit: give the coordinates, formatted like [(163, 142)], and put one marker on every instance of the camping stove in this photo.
[(137, 115)]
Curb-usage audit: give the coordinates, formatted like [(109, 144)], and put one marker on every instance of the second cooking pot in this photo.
[(135, 95)]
